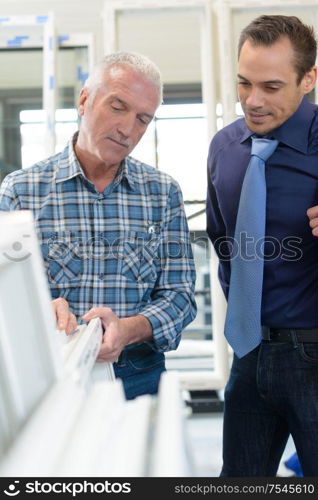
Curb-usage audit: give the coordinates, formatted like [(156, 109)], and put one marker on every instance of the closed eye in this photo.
[(144, 121), (117, 108), (272, 88)]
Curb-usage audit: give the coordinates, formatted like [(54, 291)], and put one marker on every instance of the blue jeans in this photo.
[(140, 369), (272, 392)]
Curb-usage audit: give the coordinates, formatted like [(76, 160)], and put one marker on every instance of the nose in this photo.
[(126, 125), (254, 98)]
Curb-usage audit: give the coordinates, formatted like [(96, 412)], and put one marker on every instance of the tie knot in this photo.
[(263, 148)]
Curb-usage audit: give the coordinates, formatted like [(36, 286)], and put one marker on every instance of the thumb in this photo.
[(104, 313)]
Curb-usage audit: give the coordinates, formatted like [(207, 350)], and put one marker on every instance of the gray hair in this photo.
[(138, 62)]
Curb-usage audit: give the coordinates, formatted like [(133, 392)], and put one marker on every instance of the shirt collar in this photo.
[(69, 166), (294, 132), (125, 172)]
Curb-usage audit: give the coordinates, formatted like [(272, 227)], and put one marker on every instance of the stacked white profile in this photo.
[(62, 414), (80, 350), (30, 363)]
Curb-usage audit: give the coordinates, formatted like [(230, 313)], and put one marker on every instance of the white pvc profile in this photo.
[(49, 83), (131, 452), (170, 454), (228, 92), (110, 436), (216, 378), (208, 65), (30, 358), (15, 405), (92, 440), (24, 376), (80, 350), (42, 439), (27, 20), (36, 41)]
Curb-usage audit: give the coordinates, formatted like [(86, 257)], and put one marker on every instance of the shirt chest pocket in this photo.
[(62, 257), (138, 256)]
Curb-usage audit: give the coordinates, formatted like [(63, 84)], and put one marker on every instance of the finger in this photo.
[(71, 325), (107, 358), (312, 212), (61, 309), (313, 222), (104, 313), (104, 354)]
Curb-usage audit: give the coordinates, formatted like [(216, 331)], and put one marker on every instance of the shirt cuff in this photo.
[(164, 329)]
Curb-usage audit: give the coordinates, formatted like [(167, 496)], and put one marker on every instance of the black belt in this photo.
[(289, 334)]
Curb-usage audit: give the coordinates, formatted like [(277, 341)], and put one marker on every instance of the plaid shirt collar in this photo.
[(72, 168)]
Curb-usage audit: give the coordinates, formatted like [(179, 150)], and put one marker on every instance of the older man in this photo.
[(113, 230)]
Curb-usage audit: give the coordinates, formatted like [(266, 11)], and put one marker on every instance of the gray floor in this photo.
[(204, 432)]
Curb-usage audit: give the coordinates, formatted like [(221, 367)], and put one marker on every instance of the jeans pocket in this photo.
[(145, 359), (309, 351)]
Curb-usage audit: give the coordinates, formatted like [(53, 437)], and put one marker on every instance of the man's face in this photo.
[(115, 119), (267, 87)]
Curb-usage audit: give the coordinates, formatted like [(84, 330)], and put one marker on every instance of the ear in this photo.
[(309, 80), (82, 100)]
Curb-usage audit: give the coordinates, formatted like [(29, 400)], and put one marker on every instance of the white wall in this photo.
[(170, 37)]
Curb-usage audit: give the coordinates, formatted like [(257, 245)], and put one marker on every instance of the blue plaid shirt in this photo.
[(127, 248)]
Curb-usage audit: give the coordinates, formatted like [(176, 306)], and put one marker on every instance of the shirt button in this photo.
[(101, 276)]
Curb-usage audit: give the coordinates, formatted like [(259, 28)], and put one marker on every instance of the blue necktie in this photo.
[(243, 328)]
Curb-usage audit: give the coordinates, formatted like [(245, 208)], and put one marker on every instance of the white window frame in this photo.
[(50, 44), (20, 256)]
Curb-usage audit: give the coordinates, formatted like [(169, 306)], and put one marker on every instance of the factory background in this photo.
[(47, 49)]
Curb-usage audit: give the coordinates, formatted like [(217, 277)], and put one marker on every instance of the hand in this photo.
[(313, 219), (113, 343), (65, 320)]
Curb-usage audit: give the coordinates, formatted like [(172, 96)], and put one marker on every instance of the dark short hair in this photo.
[(266, 30)]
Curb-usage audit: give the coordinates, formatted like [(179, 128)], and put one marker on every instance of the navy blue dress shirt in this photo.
[(290, 286)]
